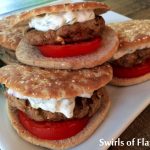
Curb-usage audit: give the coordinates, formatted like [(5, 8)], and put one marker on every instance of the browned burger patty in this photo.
[(83, 107), (68, 33), (133, 59)]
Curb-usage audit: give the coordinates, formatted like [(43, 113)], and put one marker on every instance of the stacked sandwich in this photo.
[(57, 98), (131, 62)]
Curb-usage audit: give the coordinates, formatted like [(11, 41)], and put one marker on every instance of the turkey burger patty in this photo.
[(79, 31), (133, 59), (83, 107)]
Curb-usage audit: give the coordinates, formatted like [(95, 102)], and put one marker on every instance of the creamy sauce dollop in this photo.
[(56, 20), (64, 105)]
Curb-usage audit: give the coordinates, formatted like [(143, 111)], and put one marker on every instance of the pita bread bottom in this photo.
[(8, 56), (129, 81), (69, 142)]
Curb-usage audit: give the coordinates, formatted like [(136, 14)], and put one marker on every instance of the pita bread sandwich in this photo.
[(131, 63), (66, 36), (56, 109)]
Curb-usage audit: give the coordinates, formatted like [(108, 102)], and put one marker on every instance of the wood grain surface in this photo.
[(135, 9), (140, 128)]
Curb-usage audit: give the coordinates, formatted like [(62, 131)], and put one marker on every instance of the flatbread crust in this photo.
[(8, 56), (24, 17), (30, 55), (130, 81), (93, 124), (10, 36), (42, 83), (133, 35)]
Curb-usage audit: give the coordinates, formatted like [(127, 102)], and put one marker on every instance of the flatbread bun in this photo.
[(93, 124), (133, 35), (130, 81), (8, 56), (45, 84), (30, 55), (24, 17), (10, 36)]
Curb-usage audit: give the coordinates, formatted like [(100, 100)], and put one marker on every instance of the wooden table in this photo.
[(140, 128), (135, 9)]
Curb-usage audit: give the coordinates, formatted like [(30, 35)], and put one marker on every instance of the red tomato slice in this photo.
[(52, 130), (70, 50), (135, 71)]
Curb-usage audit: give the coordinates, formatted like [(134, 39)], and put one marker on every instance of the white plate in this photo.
[(127, 104)]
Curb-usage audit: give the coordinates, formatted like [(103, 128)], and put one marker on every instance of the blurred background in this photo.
[(137, 9), (9, 7)]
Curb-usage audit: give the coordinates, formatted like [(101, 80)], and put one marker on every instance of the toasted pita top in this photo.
[(41, 83), (98, 7), (10, 36), (133, 35)]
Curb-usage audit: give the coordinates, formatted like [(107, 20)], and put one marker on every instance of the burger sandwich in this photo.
[(131, 63), (56, 109), (66, 36)]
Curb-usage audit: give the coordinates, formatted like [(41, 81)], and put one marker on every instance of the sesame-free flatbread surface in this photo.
[(30, 55), (45, 84), (133, 35)]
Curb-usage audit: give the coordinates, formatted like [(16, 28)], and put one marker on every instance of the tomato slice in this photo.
[(52, 130), (70, 50), (131, 72)]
